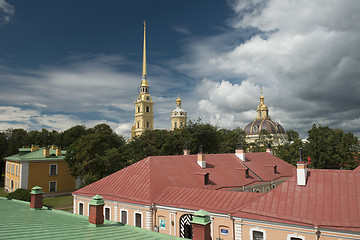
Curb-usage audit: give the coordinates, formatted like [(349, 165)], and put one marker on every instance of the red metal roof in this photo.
[(331, 198), (209, 200), (145, 180)]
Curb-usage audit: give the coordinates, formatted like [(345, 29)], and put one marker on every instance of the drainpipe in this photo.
[(317, 232)]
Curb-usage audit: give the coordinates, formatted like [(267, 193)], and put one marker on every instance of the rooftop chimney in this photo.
[(36, 198), (201, 225), (46, 152), (301, 172), (96, 215), (58, 151), (34, 148), (201, 158), (268, 149), (239, 152)]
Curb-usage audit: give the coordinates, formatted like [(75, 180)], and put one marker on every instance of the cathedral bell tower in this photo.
[(144, 115), (178, 116)]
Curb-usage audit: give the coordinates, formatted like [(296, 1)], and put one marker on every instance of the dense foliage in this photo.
[(96, 152), (20, 194)]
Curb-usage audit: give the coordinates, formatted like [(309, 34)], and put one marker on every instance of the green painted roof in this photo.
[(37, 155), (19, 221)]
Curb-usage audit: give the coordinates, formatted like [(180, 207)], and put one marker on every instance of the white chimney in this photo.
[(201, 158), (186, 151), (240, 153), (268, 149), (301, 171)]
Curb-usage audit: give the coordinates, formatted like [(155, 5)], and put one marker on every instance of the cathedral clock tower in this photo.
[(144, 115)]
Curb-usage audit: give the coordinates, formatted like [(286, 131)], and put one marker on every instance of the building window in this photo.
[(175, 124), (52, 186), (15, 185), (12, 168), (257, 234), (81, 209), (147, 124), (295, 237), (12, 184), (138, 220), (107, 213), (147, 109), (273, 186), (124, 217), (16, 170), (53, 170), (181, 124), (138, 109)]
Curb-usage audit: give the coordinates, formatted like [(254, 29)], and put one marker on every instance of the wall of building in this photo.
[(167, 220), (12, 176), (39, 175)]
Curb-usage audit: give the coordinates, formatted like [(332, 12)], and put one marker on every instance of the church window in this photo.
[(138, 109), (147, 98), (138, 125), (175, 124), (147, 124), (181, 124), (147, 109)]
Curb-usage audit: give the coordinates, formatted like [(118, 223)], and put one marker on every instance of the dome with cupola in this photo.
[(178, 116), (264, 122)]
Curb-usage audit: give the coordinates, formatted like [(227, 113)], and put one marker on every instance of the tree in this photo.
[(229, 139), (16, 138), (20, 194), (329, 148), (292, 135), (205, 134), (96, 155), (72, 134)]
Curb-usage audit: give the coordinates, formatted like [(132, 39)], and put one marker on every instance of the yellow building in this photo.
[(144, 115), (178, 116), (263, 122), (36, 166)]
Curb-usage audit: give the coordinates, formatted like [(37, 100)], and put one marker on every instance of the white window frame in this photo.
[(78, 208), (12, 169), (56, 172), (289, 236), (55, 186), (138, 212), (259, 230), (127, 215), (105, 207)]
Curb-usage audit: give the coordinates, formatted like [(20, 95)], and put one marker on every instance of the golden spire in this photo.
[(144, 51)]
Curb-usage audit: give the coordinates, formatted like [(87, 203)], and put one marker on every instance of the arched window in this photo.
[(138, 125), (147, 109), (12, 184), (138, 109), (175, 124)]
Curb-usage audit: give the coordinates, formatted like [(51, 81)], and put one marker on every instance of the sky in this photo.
[(64, 63)]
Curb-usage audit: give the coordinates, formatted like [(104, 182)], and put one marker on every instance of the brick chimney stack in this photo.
[(46, 152), (239, 152), (96, 215), (58, 151), (36, 198), (301, 171), (201, 225), (201, 158)]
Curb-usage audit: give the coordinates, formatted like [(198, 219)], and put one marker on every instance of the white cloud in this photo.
[(307, 63), (6, 12)]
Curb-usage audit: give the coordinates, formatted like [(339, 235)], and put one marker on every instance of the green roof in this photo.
[(37, 155), (19, 221)]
